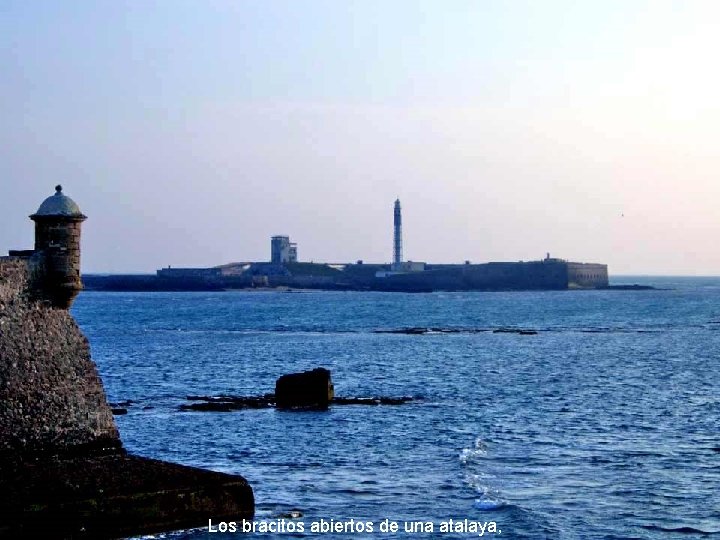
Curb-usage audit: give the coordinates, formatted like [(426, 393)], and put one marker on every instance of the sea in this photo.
[(601, 420)]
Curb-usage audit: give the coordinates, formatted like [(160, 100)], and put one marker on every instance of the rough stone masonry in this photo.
[(63, 470), (51, 397)]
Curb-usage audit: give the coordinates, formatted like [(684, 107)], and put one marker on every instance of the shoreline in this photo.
[(152, 283)]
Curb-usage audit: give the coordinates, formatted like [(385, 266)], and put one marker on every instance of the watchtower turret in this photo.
[(57, 242)]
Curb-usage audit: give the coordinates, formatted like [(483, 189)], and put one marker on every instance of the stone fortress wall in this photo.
[(587, 275), (51, 397), (63, 470)]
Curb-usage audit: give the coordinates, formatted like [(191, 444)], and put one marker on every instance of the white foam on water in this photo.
[(468, 455), (488, 504)]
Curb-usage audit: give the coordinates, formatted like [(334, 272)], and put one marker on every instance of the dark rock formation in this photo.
[(228, 403), (307, 390), (518, 331), (418, 331), (422, 330), (267, 401)]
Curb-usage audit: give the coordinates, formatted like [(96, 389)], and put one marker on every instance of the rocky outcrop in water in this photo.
[(267, 401), (422, 330), (307, 390)]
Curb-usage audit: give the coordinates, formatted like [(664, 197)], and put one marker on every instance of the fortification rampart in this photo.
[(587, 275), (63, 471), (51, 397)]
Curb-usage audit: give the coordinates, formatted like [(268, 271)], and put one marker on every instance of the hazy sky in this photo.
[(190, 132)]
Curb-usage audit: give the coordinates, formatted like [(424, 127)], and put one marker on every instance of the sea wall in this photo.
[(51, 397)]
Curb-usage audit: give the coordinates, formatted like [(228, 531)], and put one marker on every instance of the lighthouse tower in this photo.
[(57, 243), (397, 236)]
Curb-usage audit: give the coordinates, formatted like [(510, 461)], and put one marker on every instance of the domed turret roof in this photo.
[(59, 205)]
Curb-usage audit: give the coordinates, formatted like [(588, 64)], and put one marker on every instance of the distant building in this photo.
[(282, 251)]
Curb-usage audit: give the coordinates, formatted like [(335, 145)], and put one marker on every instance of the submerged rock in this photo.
[(268, 401), (421, 330), (228, 403), (519, 331)]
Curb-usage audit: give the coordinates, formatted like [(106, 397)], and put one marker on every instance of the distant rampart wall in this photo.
[(587, 275), (189, 272), (527, 275), (491, 276)]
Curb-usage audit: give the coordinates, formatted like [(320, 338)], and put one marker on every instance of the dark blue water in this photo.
[(606, 424)]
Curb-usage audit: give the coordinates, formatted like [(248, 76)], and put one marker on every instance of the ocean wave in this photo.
[(681, 530)]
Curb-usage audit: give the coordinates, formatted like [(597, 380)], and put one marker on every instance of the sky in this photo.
[(190, 132)]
